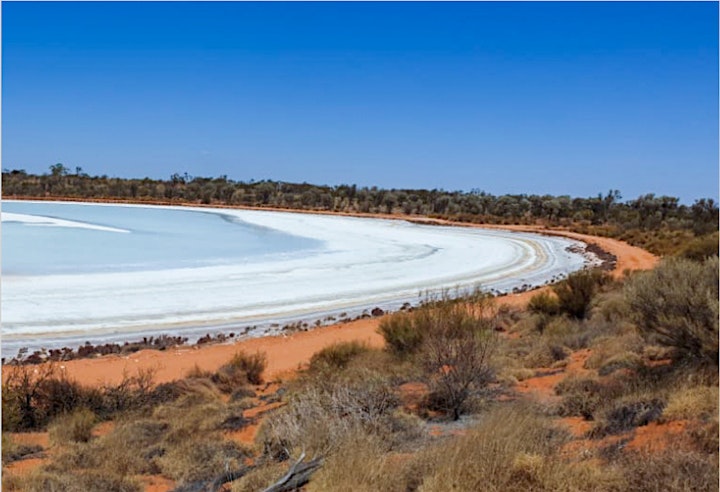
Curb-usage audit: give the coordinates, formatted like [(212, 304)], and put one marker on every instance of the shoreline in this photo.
[(287, 351), (399, 263)]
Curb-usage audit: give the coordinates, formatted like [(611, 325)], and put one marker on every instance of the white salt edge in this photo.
[(365, 263)]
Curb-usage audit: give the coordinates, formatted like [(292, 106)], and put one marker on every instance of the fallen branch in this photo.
[(298, 475)]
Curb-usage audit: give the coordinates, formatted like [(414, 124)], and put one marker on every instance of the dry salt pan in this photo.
[(358, 264)]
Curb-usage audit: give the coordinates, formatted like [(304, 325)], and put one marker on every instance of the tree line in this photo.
[(647, 212)]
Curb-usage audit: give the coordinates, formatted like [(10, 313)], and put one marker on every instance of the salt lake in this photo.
[(77, 272)]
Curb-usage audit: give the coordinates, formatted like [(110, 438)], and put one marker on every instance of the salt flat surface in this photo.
[(361, 263), (34, 220)]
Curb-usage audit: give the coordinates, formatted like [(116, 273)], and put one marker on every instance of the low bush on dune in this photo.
[(676, 305), (181, 440), (322, 413), (337, 356), (401, 334), (452, 342), (701, 248), (692, 402), (582, 396), (73, 427), (456, 355), (576, 293), (32, 396), (544, 303), (244, 368)]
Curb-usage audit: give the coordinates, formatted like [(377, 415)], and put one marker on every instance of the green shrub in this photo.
[(544, 303), (575, 293), (701, 248), (338, 355), (241, 369), (72, 427), (401, 334), (676, 305)]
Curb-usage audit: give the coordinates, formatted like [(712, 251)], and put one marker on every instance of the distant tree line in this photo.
[(605, 213)]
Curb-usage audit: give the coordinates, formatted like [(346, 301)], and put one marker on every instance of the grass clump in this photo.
[(670, 471), (83, 481), (73, 427), (401, 333), (338, 355), (625, 414), (240, 370), (324, 410), (512, 448), (695, 402), (11, 451), (544, 303), (581, 396), (200, 459)]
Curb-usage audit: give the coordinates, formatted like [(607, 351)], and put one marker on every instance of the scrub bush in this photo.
[(576, 293), (676, 305), (401, 334), (72, 427), (338, 355)]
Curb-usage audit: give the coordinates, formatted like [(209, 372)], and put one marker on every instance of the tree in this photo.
[(58, 170)]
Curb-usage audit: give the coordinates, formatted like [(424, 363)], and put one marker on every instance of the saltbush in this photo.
[(676, 305)]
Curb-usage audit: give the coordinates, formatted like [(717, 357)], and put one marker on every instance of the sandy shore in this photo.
[(287, 353)]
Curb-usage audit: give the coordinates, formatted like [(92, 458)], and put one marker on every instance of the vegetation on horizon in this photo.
[(658, 223)]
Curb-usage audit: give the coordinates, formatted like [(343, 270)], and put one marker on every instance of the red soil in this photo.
[(658, 436)]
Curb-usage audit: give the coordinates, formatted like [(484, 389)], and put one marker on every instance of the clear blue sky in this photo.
[(559, 98)]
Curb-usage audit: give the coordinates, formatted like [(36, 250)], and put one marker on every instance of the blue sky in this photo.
[(559, 98)]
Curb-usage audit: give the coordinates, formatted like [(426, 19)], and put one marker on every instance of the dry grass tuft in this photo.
[(670, 471), (695, 402), (73, 427), (337, 356)]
